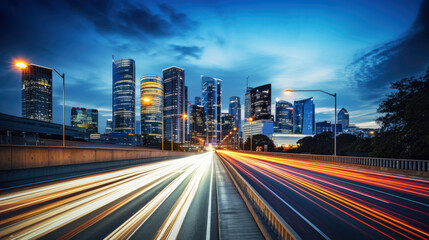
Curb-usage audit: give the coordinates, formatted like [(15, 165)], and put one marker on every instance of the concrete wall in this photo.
[(26, 157)]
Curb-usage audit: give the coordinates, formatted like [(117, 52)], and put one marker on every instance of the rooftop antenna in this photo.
[(247, 83), (113, 58)]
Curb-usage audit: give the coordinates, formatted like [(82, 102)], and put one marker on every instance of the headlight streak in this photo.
[(83, 195), (171, 226), (128, 228), (334, 195)]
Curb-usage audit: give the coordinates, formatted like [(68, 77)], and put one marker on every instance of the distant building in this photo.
[(174, 104), (85, 118), (151, 107), (212, 102), (261, 102), (304, 116), (235, 111), (23, 131), (37, 93), (138, 127), (197, 100), (227, 124), (186, 137), (262, 126), (324, 126), (343, 118), (247, 104), (284, 117), (197, 122), (109, 125), (123, 96)]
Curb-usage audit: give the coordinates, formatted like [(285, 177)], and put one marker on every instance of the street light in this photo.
[(23, 65), (184, 116), (235, 142), (251, 133), (335, 112)]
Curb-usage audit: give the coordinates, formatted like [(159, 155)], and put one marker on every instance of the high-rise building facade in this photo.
[(85, 118), (284, 117), (123, 96), (109, 125), (261, 102), (151, 107), (138, 127), (247, 104), (197, 100), (212, 102), (197, 122), (227, 124), (174, 104), (37, 93), (343, 118), (235, 111), (304, 116)]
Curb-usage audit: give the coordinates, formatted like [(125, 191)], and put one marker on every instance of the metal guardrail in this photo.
[(247, 192), (393, 163)]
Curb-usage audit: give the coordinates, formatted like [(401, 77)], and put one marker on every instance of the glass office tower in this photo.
[(212, 102), (151, 104), (261, 102), (123, 96), (284, 116), (85, 118), (37, 93), (235, 111), (303, 116), (174, 104), (343, 118), (197, 122)]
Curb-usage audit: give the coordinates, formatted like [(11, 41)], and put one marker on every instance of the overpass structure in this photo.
[(94, 193)]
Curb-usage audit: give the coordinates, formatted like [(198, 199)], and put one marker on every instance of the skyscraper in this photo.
[(197, 100), (284, 116), (174, 104), (235, 111), (109, 125), (227, 124), (197, 122), (303, 116), (247, 104), (151, 103), (37, 93), (85, 118), (343, 118), (212, 102), (138, 127), (123, 96), (261, 102)]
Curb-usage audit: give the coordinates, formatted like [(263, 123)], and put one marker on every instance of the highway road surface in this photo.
[(160, 200), (326, 201)]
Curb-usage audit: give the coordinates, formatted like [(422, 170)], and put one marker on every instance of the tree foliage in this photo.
[(405, 121), (259, 140)]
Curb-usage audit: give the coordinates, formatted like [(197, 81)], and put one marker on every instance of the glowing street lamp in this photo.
[(287, 91), (22, 65)]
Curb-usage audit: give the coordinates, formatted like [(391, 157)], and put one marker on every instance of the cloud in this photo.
[(325, 110), (185, 51), (369, 124), (389, 62)]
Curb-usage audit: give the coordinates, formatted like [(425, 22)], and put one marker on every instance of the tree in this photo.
[(259, 140), (404, 124)]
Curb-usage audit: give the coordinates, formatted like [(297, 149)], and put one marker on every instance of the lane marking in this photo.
[(209, 218), (296, 211)]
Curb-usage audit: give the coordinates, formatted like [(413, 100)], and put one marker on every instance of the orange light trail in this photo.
[(351, 195)]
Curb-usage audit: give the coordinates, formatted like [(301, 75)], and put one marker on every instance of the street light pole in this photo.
[(335, 111), (251, 133), (64, 111)]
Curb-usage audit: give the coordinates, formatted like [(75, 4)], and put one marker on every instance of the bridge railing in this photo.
[(278, 225), (392, 163)]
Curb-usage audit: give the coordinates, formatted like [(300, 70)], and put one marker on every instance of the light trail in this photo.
[(351, 196), (33, 212)]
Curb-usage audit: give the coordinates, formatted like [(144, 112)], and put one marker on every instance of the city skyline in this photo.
[(213, 52)]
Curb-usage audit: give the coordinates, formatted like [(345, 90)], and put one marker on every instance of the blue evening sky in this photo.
[(353, 48)]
